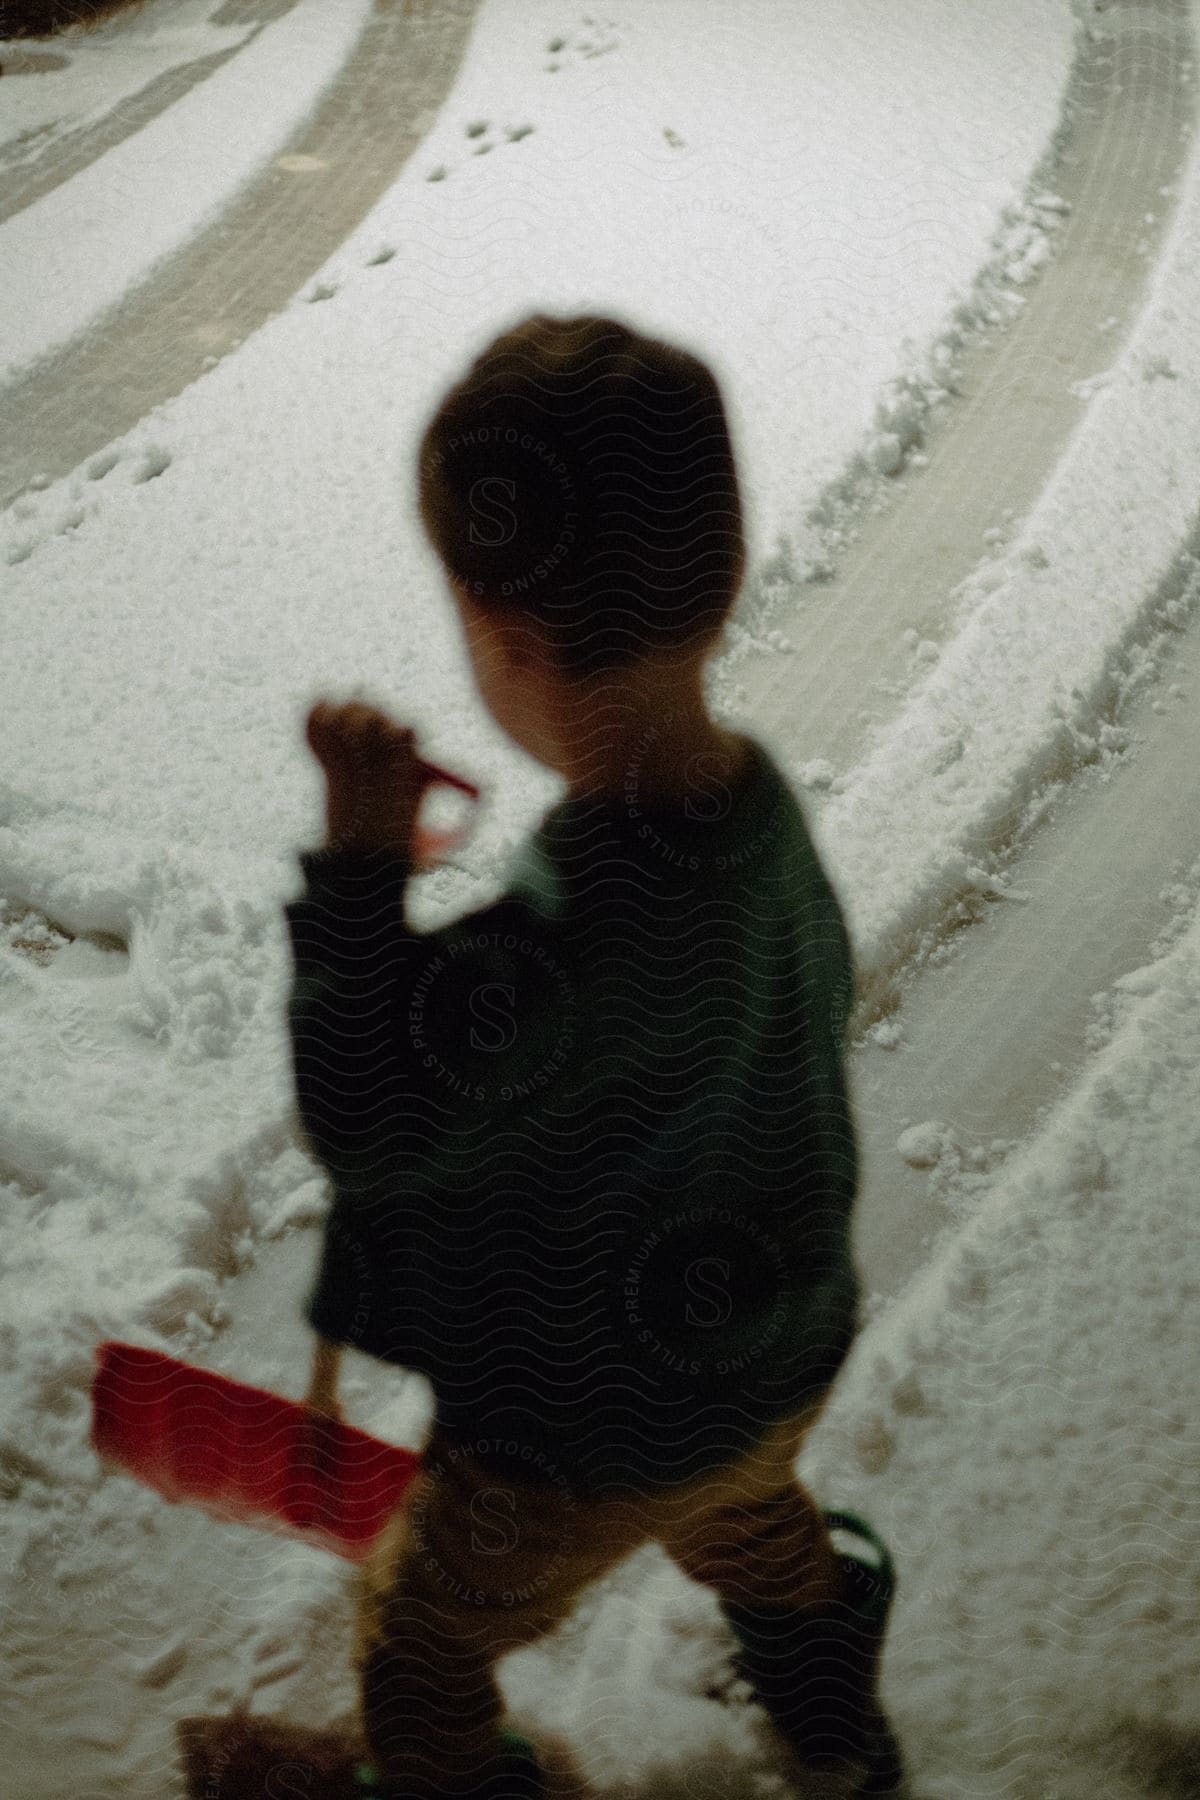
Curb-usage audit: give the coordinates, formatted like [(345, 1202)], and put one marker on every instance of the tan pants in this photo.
[(479, 1563)]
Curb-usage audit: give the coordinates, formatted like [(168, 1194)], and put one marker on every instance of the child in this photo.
[(591, 1149)]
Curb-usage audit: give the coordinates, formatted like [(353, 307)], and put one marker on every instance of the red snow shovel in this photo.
[(242, 1453)]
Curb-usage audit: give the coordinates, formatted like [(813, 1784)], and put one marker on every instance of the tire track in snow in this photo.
[(994, 1030), (994, 1035), (234, 277), (77, 149), (1132, 118)]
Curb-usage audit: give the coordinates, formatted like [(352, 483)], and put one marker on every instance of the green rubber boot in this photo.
[(816, 1671), (520, 1776)]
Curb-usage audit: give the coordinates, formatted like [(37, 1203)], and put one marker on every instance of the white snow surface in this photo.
[(72, 254), (1028, 1404), (91, 74), (1046, 630)]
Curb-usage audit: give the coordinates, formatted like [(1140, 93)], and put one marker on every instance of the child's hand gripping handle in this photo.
[(376, 782)]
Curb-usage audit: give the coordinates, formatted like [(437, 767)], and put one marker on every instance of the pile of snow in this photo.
[(1022, 243)]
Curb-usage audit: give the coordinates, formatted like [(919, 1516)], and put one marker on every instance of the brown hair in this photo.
[(584, 474)]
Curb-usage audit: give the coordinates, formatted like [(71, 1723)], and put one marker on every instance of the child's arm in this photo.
[(348, 936), (351, 951)]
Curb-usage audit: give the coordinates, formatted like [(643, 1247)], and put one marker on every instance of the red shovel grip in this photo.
[(433, 772)]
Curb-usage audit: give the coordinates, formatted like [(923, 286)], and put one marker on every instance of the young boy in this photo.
[(591, 1149)]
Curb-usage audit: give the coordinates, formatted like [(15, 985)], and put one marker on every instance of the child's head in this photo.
[(579, 485)]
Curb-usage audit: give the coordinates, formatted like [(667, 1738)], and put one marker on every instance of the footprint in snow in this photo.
[(600, 39), (71, 963), (77, 509), (100, 465), (477, 130), (154, 462), (30, 933)]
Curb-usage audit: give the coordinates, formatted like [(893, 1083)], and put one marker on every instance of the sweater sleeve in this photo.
[(350, 949), (368, 1090)]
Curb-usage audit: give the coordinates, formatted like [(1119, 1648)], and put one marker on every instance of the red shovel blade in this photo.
[(243, 1453)]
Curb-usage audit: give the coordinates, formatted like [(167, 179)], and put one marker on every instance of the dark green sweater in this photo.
[(591, 1151)]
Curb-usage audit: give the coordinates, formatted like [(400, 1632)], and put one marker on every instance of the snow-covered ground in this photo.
[(85, 76), (73, 253), (810, 195)]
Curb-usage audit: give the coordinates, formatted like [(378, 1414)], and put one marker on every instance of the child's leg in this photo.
[(809, 1638), (752, 1532), (475, 1565)]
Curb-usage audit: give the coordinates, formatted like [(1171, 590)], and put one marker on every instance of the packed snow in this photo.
[(818, 198)]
